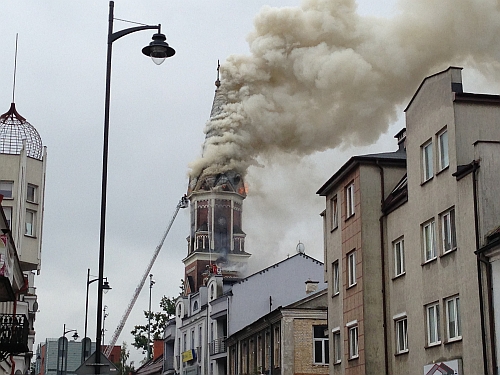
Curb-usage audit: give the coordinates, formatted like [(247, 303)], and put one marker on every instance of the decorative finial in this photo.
[(217, 83)]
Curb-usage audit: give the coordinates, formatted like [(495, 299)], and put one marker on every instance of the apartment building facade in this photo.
[(408, 290)]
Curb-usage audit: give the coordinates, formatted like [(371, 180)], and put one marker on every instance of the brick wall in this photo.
[(303, 347)]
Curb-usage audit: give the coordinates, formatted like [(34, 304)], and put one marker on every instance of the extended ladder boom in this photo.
[(183, 203)]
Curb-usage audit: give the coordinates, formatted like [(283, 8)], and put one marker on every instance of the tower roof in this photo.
[(14, 129)]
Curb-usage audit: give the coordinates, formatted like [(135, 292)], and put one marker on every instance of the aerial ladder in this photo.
[(183, 203)]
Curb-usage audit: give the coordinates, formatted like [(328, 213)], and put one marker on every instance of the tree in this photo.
[(123, 367), (158, 322)]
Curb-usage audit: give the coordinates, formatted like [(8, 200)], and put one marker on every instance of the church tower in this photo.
[(216, 243)]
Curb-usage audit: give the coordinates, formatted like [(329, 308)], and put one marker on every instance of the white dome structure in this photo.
[(14, 129)]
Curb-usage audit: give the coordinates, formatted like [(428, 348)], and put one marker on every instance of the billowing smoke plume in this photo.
[(321, 75)]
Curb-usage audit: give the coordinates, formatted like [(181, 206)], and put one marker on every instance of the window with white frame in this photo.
[(6, 188), (427, 162), (432, 317), (351, 268), (321, 350), (31, 193), (443, 160), (454, 329), (337, 346), (352, 338), (334, 212), (349, 200), (429, 243), (336, 278), (448, 231), (30, 223), (399, 257), (401, 334), (8, 215)]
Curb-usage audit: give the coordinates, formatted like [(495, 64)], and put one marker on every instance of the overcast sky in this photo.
[(158, 114)]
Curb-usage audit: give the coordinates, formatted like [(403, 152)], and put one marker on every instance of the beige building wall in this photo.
[(302, 348)]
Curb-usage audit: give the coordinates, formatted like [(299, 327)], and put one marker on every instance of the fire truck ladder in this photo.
[(183, 203)]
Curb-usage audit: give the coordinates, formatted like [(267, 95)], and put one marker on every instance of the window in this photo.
[(427, 161), (179, 311), (6, 188), (336, 277), (349, 199), (352, 332), (337, 346), (30, 223), (195, 305), (453, 318), (448, 231), (401, 335), (277, 357), (335, 212), (443, 150), (321, 351), (428, 241), (184, 345), (351, 268), (192, 339), (8, 215), (399, 257), (432, 315), (31, 193)]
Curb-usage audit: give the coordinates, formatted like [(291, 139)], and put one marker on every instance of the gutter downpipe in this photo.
[(382, 258), (478, 262)]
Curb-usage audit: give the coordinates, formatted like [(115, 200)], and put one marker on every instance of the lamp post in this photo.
[(105, 315), (63, 348), (158, 50), (151, 283), (86, 341)]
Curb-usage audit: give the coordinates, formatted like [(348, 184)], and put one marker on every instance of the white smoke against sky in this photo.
[(322, 76)]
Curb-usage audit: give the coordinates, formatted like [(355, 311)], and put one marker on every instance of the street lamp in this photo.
[(151, 283), (86, 341), (63, 349), (159, 50)]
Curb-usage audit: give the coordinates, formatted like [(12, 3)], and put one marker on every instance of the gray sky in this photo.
[(156, 128)]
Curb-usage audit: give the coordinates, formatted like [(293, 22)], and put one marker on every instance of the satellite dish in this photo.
[(301, 249)]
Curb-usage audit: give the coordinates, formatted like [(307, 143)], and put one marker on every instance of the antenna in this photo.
[(301, 249), (15, 69)]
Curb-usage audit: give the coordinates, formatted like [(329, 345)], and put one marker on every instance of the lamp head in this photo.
[(75, 336), (158, 49), (105, 287)]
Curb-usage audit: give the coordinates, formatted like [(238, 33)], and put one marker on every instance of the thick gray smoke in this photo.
[(321, 75)]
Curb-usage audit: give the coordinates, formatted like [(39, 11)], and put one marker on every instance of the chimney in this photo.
[(401, 137), (311, 286), (157, 348)]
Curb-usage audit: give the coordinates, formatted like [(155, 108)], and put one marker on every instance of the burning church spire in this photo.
[(216, 242)]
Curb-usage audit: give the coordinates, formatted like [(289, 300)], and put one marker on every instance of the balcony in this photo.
[(218, 346), (219, 308), (14, 331), (168, 364)]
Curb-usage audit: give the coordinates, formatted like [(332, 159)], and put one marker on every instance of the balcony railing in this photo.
[(14, 330), (218, 346)]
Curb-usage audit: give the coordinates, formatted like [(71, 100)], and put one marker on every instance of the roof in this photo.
[(277, 264), (396, 158), (14, 130), (425, 79)]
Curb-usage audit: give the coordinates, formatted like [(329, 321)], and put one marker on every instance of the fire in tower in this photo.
[(216, 242)]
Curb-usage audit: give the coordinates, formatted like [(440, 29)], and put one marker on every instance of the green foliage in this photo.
[(123, 367), (158, 322)]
